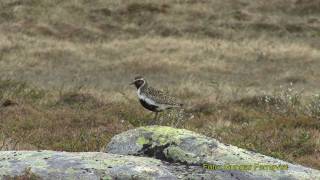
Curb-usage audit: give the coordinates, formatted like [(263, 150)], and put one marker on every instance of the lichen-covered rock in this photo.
[(183, 154), (83, 165), (188, 148)]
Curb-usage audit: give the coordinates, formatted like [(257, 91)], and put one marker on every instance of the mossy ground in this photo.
[(65, 67)]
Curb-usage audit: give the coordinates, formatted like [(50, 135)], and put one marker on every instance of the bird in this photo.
[(153, 99)]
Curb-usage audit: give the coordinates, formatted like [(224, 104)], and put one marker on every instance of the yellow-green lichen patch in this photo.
[(142, 140), (173, 132), (37, 160), (102, 160), (165, 134), (103, 163), (40, 163), (185, 139), (179, 155), (105, 177), (84, 165)]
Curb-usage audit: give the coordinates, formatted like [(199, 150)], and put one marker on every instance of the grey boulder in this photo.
[(180, 147)]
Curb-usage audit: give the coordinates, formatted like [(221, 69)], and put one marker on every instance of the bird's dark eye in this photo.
[(139, 82)]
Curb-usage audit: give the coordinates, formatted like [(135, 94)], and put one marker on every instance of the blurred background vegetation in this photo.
[(248, 72)]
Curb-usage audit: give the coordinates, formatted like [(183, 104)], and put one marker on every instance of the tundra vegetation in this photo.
[(247, 71)]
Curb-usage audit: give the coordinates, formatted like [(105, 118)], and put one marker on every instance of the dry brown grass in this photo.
[(70, 63)]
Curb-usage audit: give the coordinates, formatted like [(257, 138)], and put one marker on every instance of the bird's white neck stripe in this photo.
[(144, 97), (144, 82)]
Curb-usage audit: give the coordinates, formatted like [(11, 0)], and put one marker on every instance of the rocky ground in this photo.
[(169, 154)]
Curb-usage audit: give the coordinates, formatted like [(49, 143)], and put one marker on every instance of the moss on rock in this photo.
[(186, 147), (84, 165)]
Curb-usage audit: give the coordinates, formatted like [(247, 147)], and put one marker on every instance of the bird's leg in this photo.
[(160, 123), (155, 118)]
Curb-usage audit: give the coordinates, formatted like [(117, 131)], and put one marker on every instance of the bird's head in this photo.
[(138, 81)]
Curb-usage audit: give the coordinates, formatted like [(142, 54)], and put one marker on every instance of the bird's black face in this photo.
[(138, 82)]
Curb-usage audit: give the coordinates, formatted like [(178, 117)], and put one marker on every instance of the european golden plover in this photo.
[(153, 99)]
